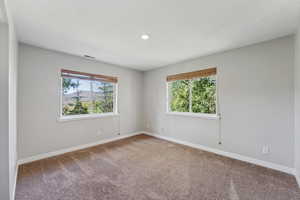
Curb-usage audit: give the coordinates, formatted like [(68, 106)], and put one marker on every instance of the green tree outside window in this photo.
[(196, 95)]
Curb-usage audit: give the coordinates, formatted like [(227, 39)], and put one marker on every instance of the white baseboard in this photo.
[(229, 154), (197, 146), (79, 147), (297, 175), (13, 194)]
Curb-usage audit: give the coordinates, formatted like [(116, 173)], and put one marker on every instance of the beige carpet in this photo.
[(144, 167)]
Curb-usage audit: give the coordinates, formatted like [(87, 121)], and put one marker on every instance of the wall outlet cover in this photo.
[(266, 149)]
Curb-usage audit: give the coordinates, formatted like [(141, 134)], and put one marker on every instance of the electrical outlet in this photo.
[(266, 149), (148, 125), (162, 130)]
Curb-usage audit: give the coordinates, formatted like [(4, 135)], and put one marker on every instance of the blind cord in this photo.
[(119, 124), (219, 129), (219, 114), (118, 107)]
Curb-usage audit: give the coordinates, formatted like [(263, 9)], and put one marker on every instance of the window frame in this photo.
[(190, 113), (63, 118)]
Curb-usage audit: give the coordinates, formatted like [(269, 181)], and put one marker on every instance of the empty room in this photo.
[(150, 100)]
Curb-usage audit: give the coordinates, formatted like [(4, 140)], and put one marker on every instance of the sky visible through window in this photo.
[(83, 86)]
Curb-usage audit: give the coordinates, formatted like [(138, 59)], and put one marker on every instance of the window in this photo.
[(87, 94), (193, 92)]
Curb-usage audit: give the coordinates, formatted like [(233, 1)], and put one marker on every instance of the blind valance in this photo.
[(88, 76), (191, 75)]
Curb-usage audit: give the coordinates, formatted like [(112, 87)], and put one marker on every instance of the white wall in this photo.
[(40, 131), (12, 74), (297, 104), (8, 105), (8, 126), (256, 101), (4, 133)]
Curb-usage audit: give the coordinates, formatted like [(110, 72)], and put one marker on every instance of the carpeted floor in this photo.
[(143, 167)]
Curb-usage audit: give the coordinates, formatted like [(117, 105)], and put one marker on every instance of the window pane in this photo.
[(204, 95), (104, 97), (179, 96), (76, 97)]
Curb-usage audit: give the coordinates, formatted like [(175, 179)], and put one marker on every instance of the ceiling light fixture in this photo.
[(145, 37)]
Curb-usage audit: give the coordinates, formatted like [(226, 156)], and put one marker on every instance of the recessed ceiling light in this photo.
[(145, 37)]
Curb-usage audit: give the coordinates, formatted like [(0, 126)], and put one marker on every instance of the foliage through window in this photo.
[(195, 95), (85, 94)]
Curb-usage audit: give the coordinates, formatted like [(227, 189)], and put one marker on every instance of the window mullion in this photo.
[(168, 98), (92, 96)]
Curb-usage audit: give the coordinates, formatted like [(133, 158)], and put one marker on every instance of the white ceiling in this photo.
[(110, 30)]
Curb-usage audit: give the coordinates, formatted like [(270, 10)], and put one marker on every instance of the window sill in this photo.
[(197, 115), (84, 117)]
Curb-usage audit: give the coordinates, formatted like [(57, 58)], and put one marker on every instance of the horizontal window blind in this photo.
[(191, 75), (87, 76)]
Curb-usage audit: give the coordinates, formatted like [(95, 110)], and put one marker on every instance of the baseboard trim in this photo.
[(13, 195), (197, 146), (297, 176), (229, 154), (75, 148)]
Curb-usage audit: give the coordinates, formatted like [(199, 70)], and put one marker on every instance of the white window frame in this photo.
[(192, 114), (63, 118)]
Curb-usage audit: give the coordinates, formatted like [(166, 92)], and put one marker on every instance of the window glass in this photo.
[(193, 95), (180, 95), (204, 95), (84, 96), (104, 95)]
